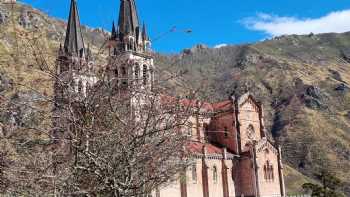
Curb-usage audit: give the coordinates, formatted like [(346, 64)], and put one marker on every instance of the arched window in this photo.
[(137, 73), (272, 176), (124, 81), (215, 175), (116, 73), (265, 172), (250, 132), (116, 76), (225, 132), (189, 129), (194, 173), (124, 73), (80, 87), (268, 172), (145, 74), (151, 71)]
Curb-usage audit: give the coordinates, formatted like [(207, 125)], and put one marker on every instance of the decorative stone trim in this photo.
[(215, 156), (262, 144)]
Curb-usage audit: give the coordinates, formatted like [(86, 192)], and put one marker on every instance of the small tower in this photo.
[(130, 63), (74, 65), (74, 72)]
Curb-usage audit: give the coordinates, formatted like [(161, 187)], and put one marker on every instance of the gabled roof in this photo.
[(242, 99), (266, 144), (114, 32), (74, 43), (197, 148), (208, 150), (190, 103), (222, 105)]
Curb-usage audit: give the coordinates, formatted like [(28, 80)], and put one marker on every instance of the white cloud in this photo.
[(274, 25), (220, 46)]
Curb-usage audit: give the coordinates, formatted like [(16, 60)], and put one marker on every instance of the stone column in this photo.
[(183, 183), (224, 174), (280, 172), (205, 174)]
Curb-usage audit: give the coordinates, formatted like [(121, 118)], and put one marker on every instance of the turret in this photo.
[(130, 64), (129, 36), (74, 65)]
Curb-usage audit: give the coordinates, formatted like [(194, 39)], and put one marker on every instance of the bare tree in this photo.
[(96, 142)]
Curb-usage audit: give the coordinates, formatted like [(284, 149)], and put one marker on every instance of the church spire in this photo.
[(114, 32), (144, 33), (128, 17), (74, 43)]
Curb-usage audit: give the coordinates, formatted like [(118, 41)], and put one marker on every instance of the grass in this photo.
[(294, 180)]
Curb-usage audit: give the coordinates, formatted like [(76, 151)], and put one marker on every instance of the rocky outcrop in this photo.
[(314, 98), (336, 75), (342, 88), (22, 109), (24, 19), (345, 54), (3, 16), (5, 83)]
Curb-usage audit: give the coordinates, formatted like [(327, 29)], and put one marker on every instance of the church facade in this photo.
[(231, 153)]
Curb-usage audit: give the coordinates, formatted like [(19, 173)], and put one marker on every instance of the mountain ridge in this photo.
[(302, 80)]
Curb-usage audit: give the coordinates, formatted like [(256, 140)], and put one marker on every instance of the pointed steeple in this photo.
[(114, 32), (60, 51), (128, 17), (88, 53), (74, 43), (144, 33)]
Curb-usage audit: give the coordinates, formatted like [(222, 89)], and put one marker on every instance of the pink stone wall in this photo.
[(216, 131), (194, 188), (245, 178), (268, 187), (215, 187), (249, 116)]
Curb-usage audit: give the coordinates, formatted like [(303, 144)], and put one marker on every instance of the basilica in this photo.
[(232, 155)]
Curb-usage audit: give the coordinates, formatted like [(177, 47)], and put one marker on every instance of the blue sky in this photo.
[(214, 22)]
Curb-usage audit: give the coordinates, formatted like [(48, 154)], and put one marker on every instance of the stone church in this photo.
[(232, 155)]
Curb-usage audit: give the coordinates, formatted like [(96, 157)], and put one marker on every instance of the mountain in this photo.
[(303, 82)]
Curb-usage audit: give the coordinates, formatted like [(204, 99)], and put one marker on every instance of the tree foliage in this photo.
[(329, 188)]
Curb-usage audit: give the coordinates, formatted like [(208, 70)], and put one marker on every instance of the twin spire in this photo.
[(128, 25)]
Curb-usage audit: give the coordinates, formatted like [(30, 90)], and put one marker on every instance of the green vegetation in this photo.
[(294, 180), (329, 188)]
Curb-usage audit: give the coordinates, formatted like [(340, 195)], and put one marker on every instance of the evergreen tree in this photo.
[(329, 188)]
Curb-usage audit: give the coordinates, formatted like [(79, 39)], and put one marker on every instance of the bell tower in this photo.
[(130, 62), (74, 74), (74, 63)]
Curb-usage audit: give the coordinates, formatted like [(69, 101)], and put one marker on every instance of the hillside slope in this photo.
[(302, 81), (303, 84)]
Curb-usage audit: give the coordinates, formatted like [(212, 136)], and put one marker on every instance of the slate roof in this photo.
[(74, 43), (128, 17)]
